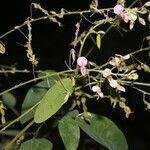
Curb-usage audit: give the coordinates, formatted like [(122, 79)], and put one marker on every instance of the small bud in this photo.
[(142, 21)]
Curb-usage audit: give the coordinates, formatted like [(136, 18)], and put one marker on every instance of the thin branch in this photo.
[(19, 134), (33, 80), (47, 17)]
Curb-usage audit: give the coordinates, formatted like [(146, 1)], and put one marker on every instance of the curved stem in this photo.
[(135, 83), (35, 79), (140, 50), (83, 42), (46, 17), (19, 71), (17, 119), (144, 92)]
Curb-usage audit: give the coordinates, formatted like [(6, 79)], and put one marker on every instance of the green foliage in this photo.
[(89, 79), (36, 144), (98, 40), (104, 131), (53, 100), (9, 99), (69, 131), (34, 95)]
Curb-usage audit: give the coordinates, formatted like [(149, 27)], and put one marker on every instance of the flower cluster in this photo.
[(98, 91), (132, 14), (112, 82), (118, 59)]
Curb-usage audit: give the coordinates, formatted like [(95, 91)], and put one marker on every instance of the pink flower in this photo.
[(118, 59), (125, 57), (82, 62), (114, 84), (98, 91), (119, 10), (125, 17), (121, 88)]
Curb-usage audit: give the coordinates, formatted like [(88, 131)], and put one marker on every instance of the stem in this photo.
[(135, 83), (35, 79), (17, 119), (140, 50), (134, 2), (91, 30), (19, 134), (18, 71), (83, 42), (50, 16), (144, 92)]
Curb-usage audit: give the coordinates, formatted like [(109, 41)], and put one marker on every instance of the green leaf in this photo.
[(53, 100), (69, 132), (36, 144), (34, 95), (104, 131), (98, 40), (9, 99)]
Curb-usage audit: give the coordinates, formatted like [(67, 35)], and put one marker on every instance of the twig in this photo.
[(47, 17), (19, 134)]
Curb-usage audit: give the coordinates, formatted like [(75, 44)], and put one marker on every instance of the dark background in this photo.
[(51, 44)]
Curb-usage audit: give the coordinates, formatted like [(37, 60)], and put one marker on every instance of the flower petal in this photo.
[(121, 88), (118, 9), (83, 70), (82, 61), (113, 83)]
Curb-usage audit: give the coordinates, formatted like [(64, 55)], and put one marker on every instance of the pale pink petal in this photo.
[(113, 83), (126, 57), (125, 17), (118, 55), (82, 61), (147, 4), (100, 94), (121, 88), (83, 71), (118, 9), (98, 91)]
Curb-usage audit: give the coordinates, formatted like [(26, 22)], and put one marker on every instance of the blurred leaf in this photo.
[(9, 99), (53, 100), (34, 95), (10, 132), (36, 144), (104, 131), (98, 40), (69, 132)]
